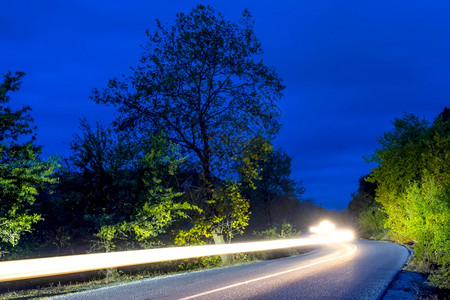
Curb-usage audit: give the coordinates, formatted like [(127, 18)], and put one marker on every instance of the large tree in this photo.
[(204, 83), (400, 160), (23, 174)]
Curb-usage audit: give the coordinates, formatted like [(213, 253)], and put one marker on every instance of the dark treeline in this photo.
[(406, 198), (189, 159)]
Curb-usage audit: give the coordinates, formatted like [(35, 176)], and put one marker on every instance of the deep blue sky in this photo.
[(350, 67)]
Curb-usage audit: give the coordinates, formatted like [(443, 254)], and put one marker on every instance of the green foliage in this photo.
[(252, 160), (366, 212), (116, 192), (106, 236), (200, 263), (371, 222), (155, 209), (399, 159), (426, 220), (282, 231), (413, 181), (231, 217), (146, 226), (265, 174), (204, 83), (101, 183), (23, 174)]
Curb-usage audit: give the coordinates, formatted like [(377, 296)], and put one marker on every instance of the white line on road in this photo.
[(270, 276)]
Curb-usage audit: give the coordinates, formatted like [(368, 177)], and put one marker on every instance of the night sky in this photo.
[(350, 68)]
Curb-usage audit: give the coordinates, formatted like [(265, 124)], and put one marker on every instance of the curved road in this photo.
[(357, 270)]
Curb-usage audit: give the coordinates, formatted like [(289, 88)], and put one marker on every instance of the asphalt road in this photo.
[(356, 270)]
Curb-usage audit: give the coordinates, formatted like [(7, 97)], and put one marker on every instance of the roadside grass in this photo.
[(68, 284), (52, 289)]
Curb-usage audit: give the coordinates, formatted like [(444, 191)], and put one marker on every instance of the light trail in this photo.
[(41, 267)]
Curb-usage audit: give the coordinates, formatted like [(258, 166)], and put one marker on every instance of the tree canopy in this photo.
[(413, 188), (23, 174), (203, 82)]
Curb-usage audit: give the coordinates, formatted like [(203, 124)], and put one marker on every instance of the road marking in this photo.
[(269, 276)]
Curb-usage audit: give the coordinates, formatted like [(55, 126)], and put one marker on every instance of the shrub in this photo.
[(282, 231)]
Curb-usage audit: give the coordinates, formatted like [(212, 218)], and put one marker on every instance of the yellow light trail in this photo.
[(41, 267)]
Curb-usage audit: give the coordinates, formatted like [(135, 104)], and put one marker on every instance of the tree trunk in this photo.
[(227, 259), (268, 211), (267, 204), (205, 159)]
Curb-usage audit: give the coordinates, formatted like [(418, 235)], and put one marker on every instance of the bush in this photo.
[(282, 231), (371, 223), (427, 222)]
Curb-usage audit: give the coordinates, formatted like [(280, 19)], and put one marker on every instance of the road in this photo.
[(356, 270)]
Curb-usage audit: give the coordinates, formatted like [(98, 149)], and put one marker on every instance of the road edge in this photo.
[(396, 276)]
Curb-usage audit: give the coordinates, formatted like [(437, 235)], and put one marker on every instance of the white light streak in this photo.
[(41, 267)]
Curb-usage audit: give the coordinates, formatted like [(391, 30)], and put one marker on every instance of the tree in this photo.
[(266, 173), (104, 169), (98, 186), (203, 82), (276, 185), (116, 191), (399, 162), (23, 174), (158, 206), (366, 211), (413, 188)]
